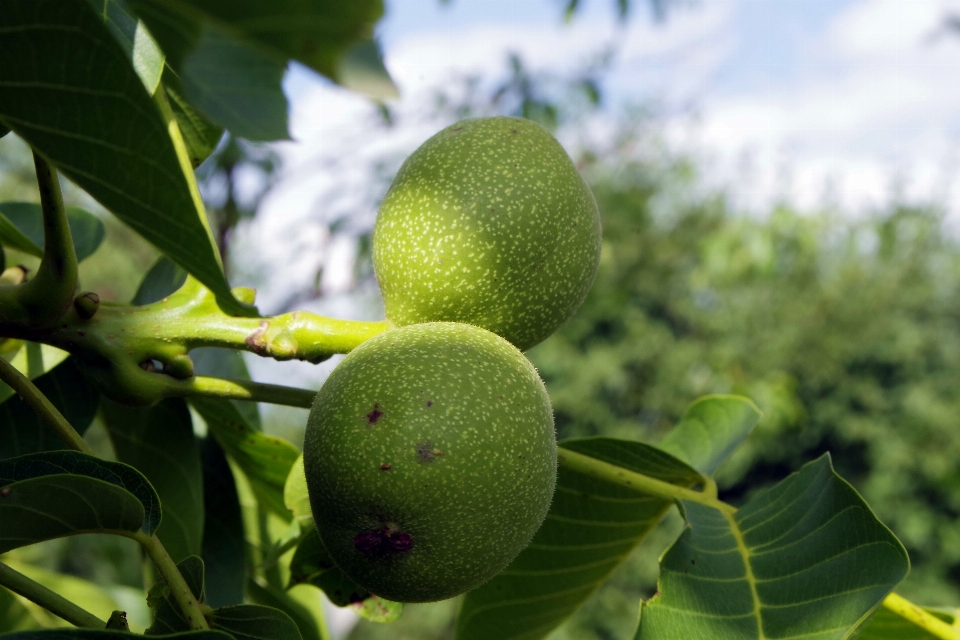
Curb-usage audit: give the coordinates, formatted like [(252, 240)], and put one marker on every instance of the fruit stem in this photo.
[(49, 600), (24, 388), (636, 481), (42, 300), (923, 619)]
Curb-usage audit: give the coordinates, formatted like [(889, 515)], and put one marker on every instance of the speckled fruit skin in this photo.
[(488, 223), (430, 459)]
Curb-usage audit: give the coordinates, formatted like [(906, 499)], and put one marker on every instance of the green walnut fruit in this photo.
[(430, 459), (488, 223)]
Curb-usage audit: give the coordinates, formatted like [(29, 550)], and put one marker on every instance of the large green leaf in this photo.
[(319, 34), (806, 558), (158, 441), (224, 547), (199, 134), (82, 105), (14, 616), (265, 460), (887, 625), (21, 429), (60, 493), (711, 429), (132, 36), (86, 229), (237, 86), (591, 528), (309, 621)]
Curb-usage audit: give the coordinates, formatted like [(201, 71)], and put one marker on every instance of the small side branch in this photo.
[(52, 602), (241, 390), (39, 402), (42, 300)]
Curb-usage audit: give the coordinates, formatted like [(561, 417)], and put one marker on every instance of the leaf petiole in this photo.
[(916, 615), (49, 600)]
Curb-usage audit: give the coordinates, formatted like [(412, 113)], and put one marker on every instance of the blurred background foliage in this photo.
[(843, 327)]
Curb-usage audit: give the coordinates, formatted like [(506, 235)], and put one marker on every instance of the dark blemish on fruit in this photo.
[(385, 466), (513, 131), (429, 403), (374, 415), (385, 541), (457, 129), (693, 562), (425, 452), (4, 493)]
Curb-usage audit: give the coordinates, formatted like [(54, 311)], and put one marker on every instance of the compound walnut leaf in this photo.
[(69, 89), (60, 493), (806, 558), (591, 528), (158, 441), (711, 429)]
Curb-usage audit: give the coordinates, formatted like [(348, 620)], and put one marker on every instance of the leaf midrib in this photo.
[(748, 570)]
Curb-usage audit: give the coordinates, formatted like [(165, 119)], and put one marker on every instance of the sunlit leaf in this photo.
[(318, 33), (806, 558), (158, 441), (712, 428), (591, 528), (361, 69), (887, 625), (199, 133), (82, 105), (295, 495), (132, 36), (61, 493)]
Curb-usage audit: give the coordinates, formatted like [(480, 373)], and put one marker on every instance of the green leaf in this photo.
[(712, 428), (132, 36), (82, 105), (164, 277), (255, 622), (87, 229), (51, 495), (887, 625), (224, 547), (14, 616), (591, 528), (21, 429), (804, 558), (311, 564), (376, 609), (295, 495), (158, 441), (30, 358), (319, 34), (265, 460), (105, 634), (13, 238), (237, 86)]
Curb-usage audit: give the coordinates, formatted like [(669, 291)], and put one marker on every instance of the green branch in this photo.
[(42, 300), (636, 481), (167, 568), (52, 602), (24, 388), (916, 615)]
